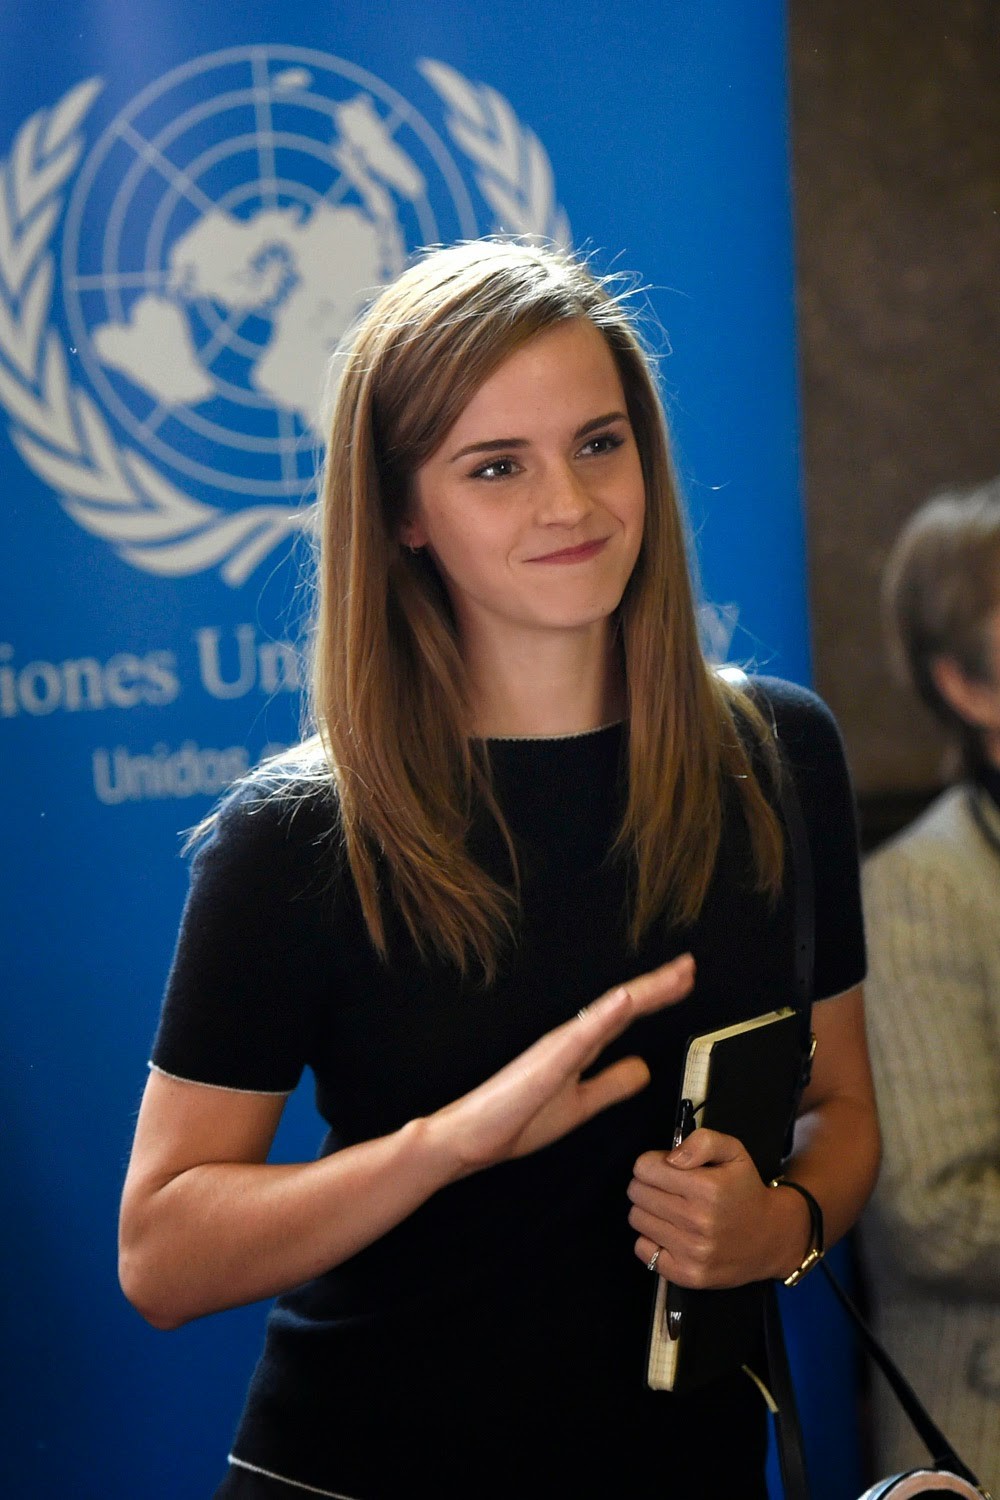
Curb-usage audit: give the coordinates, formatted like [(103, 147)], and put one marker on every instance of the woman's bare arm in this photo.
[(837, 1142), (206, 1222)]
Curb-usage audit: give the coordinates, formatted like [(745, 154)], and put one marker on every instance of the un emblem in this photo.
[(216, 241)]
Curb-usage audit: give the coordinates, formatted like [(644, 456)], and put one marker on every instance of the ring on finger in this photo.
[(651, 1262)]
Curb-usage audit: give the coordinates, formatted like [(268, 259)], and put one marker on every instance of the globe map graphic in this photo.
[(223, 233)]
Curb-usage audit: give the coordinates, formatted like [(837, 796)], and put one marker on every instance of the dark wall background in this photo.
[(896, 158)]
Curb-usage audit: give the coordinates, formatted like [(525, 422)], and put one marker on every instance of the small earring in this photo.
[(413, 550)]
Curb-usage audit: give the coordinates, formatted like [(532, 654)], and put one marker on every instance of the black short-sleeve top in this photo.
[(274, 974)]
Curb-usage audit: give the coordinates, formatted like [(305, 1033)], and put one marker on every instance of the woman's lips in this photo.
[(572, 554)]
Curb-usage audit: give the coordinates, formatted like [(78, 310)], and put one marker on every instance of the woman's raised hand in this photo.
[(540, 1095)]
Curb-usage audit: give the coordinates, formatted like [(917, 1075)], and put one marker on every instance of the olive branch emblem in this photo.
[(515, 174), (58, 430)]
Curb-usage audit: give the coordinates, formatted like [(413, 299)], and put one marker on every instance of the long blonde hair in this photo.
[(388, 687)]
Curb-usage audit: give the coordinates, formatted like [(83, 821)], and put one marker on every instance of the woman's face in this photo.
[(976, 699), (532, 507)]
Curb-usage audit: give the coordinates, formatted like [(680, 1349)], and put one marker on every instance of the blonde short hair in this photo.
[(940, 587)]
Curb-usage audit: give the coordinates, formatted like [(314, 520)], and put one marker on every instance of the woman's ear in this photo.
[(412, 534), (978, 703)]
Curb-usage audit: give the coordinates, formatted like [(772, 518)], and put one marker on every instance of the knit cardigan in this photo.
[(930, 1237)]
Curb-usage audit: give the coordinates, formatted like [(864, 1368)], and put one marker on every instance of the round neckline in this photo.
[(551, 739)]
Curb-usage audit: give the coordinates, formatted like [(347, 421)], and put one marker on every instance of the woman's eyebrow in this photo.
[(491, 445), (488, 445), (610, 416)]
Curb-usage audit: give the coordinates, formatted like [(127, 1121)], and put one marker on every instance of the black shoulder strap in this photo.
[(787, 1425), (804, 897), (930, 1434), (800, 874)]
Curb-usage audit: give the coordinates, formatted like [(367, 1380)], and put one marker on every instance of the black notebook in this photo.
[(742, 1080)]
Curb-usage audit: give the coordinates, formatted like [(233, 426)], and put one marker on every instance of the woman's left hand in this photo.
[(705, 1208)]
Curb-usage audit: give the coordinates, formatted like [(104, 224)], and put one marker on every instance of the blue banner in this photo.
[(194, 201)]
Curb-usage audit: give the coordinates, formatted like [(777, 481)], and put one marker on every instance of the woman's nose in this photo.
[(563, 498)]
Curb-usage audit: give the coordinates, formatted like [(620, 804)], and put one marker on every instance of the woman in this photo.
[(527, 791), (931, 1235)]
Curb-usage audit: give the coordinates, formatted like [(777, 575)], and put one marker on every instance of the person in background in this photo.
[(930, 1237), (533, 818)]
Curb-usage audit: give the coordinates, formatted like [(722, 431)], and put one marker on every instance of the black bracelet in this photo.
[(816, 1248)]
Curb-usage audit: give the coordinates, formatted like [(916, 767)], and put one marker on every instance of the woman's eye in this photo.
[(497, 468), (604, 442)]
